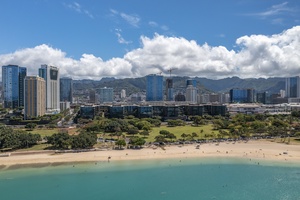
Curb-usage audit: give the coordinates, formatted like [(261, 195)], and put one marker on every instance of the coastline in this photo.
[(256, 151)]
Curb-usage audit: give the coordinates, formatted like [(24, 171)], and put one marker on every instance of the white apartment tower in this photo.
[(123, 94), (51, 76), (191, 94), (191, 91)]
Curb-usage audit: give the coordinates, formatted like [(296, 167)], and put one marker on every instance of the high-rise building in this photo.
[(282, 93), (169, 89), (214, 98), (263, 97), (154, 87), (251, 97), (292, 87), (191, 94), (92, 96), (22, 75), (123, 94), (224, 98), (204, 98), (191, 90), (106, 95), (51, 76), (66, 89), (35, 98), (64, 105), (13, 86), (192, 82), (242, 95)]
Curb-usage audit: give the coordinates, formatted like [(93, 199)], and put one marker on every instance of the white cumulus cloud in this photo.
[(259, 56), (87, 67), (276, 55)]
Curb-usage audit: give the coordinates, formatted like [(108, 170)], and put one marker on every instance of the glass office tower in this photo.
[(292, 87), (106, 95), (169, 89), (154, 87), (13, 86), (66, 89), (242, 95)]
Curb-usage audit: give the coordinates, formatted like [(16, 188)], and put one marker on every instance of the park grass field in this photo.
[(37, 147), (49, 132), (179, 130), (203, 132), (43, 132)]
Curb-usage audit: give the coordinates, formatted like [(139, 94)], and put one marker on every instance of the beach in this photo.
[(251, 150)]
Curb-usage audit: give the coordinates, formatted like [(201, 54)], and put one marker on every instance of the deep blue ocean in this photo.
[(155, 179)]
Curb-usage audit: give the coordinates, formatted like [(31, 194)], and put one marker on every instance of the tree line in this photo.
[(63, 140), (132, 131), (17, 139)]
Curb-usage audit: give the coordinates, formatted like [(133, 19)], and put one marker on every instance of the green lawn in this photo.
[(178, 130), (36, 147), (44, 132), (49, 132)]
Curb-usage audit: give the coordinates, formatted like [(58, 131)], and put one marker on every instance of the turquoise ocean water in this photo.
[(156, 179)]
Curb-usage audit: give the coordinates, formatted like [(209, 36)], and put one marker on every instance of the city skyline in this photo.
[(59, 90), (91, 40)]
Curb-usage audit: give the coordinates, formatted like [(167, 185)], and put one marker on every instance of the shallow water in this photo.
[(155, 179)]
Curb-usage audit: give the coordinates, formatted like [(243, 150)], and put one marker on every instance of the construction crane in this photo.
[(171, 69)]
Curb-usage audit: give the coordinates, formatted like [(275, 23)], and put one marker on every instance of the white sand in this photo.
[(261, 150)]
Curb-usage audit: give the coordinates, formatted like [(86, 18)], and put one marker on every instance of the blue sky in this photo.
[(117, 34)]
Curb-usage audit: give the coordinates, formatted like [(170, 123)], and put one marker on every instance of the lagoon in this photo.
[(205, 178)]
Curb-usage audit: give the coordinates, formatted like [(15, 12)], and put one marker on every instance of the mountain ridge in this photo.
[(204, 85)]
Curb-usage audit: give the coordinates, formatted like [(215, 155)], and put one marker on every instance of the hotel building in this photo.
[(35, 98)]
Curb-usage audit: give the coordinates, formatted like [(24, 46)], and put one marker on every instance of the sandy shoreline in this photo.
[(256, 150)]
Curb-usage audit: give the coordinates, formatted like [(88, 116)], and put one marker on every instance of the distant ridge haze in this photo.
[(272, 85)]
